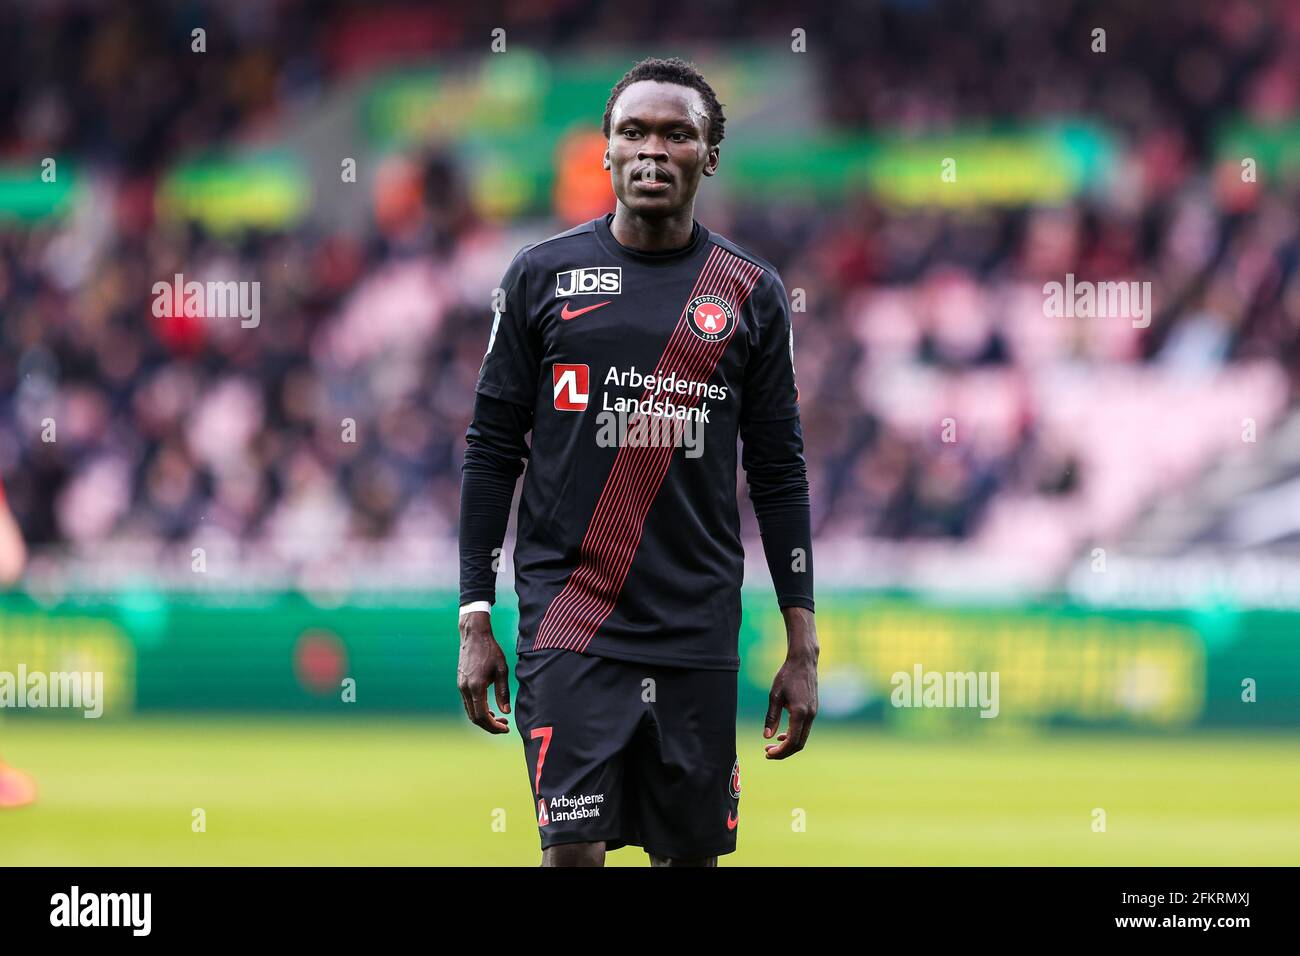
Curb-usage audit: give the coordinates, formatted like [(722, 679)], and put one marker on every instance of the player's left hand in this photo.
[(795, 687), (482, 663)]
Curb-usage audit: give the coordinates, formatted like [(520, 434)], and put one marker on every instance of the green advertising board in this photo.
[(36, 191), (510, 116), (1055, 664), (227, 192)]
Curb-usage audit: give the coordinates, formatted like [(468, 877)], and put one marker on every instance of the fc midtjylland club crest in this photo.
[(710, 317)]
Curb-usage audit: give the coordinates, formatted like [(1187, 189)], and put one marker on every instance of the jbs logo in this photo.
[(572, 387), (606, 280)]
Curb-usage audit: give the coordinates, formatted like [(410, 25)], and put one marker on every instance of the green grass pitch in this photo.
[(291, 791)]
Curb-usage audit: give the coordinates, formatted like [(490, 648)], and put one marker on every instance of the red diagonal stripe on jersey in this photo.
[(736, 286), (579, 604), (615, 530), (589, 555), (615, 538)]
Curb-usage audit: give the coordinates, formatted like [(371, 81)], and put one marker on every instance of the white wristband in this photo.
[(473, 606)]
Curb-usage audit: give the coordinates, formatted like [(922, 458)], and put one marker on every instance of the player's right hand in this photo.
[(482, 663)]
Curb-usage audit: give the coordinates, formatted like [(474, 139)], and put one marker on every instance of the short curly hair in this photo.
[(677, 71)]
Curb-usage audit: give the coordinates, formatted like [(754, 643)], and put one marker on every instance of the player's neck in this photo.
[(652, 235)]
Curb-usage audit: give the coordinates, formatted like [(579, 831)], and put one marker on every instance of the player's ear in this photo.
[(711, 160), (605, 163)]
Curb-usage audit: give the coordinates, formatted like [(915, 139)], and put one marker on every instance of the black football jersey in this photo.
[(641, 370)]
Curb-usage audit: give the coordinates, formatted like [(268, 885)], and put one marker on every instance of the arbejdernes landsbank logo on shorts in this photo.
[(565, 808)]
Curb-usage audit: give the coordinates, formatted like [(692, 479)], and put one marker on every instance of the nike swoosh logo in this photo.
[(731, 822), (566, 313)]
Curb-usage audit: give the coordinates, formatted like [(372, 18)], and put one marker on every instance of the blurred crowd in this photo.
[(343, 420)]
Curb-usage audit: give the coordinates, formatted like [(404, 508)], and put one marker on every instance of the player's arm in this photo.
[(13, 555), (494, 460), (496, 448), (777, 476)]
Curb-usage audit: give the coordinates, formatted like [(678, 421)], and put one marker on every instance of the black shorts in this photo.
[(630, 754)]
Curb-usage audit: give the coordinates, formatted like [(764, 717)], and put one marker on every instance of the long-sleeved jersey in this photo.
[(636, 372)]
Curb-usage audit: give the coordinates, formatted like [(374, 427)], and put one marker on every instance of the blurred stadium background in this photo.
[(1115, 529)]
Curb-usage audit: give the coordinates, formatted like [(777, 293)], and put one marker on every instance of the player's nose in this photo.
[(651, 149)]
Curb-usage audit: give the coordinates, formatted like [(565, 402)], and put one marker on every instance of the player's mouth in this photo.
[(652, 179)]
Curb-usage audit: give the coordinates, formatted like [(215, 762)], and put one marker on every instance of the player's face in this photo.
[(657, 147)]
